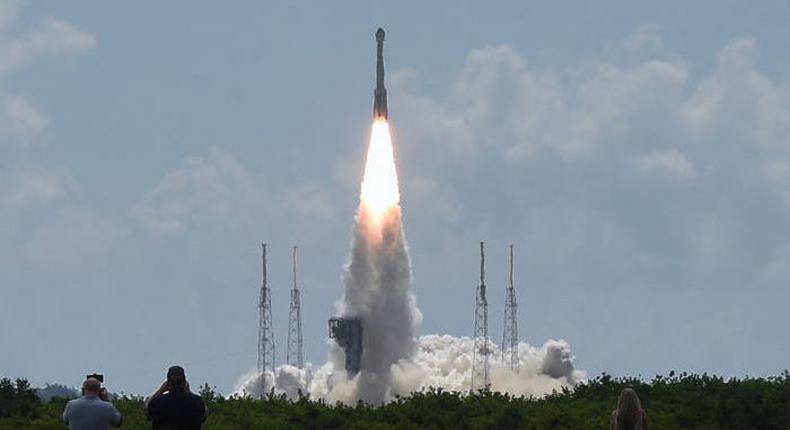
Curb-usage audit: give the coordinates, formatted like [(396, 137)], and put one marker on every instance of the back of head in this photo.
[(91, 386), (176, 378), (629, 410)]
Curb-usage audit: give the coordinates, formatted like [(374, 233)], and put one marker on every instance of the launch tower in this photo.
[(481, 351), (510, 327), (295, 355), (265, 329)]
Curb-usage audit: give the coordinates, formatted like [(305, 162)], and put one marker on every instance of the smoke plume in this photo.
[(377, 276), (439, 361)]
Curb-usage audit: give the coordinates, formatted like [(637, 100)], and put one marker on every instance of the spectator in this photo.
[(92, 411), (629, 414), (173, 406)]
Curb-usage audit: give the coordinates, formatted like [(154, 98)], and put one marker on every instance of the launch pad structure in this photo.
[(295, 352), (481, 350), (347, 333), (265, 329), (510, 326)]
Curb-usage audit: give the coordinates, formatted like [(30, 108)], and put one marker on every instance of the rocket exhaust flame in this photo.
[(379, 190)]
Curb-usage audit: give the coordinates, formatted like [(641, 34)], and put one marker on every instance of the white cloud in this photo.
[(20, 119), (499, 103), (38, 209), (71, 240), (737, 102), (433, 120), (36, 187), (645, 38), (574, 160), (672, 161), (214, 186), (52, 38)]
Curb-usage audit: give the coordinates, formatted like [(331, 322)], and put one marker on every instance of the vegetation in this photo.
[(676, 402)]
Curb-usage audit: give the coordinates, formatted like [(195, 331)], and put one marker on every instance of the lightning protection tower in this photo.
[(265, 329), (295, 356), (510, 331), (480, 353)]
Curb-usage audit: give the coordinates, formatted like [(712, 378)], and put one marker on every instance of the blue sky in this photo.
[(637, 156)]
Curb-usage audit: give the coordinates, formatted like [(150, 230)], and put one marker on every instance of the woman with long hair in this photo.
[(629, 414)]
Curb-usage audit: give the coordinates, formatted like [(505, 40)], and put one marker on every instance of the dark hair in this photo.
[(176, 378), (176, 382)]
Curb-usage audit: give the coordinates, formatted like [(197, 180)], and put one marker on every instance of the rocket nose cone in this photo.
[(380, 35)]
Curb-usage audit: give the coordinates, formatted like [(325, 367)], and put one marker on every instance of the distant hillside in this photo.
[(50, 391)]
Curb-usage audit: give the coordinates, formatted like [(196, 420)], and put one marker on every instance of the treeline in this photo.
[(684, 401)]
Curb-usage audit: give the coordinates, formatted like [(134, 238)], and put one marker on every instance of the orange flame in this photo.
[(380, 183)]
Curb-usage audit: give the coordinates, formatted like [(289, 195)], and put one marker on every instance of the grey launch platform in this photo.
[(347, 333)]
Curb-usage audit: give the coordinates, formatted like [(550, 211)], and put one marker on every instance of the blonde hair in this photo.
[(629, 411)]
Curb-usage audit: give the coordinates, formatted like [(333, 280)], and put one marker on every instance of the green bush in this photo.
[(682, 401)]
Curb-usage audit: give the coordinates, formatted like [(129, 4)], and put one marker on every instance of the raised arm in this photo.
[(158, 393)]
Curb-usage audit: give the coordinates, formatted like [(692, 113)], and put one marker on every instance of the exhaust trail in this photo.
[(377, 277)]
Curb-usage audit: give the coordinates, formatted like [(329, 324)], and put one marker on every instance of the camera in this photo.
[(98, 376)]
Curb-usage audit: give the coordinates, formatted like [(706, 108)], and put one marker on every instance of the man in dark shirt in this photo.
[(173, 406)]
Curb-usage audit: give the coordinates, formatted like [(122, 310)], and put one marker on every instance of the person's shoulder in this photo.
[(195, 398), (159, 400), (107, 405), (76, 401)]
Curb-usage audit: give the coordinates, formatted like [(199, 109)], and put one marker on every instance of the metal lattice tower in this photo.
[(295, 356), (265, 329), (510, 331), (481, 351)]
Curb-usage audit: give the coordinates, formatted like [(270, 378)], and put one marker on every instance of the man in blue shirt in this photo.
[(91, 412)]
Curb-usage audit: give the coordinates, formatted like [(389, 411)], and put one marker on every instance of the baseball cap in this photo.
[(175, 371)]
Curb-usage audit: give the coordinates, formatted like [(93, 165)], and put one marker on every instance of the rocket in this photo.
[(380, 93)]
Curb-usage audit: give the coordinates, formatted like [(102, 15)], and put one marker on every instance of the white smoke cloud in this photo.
[(439, 361)]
